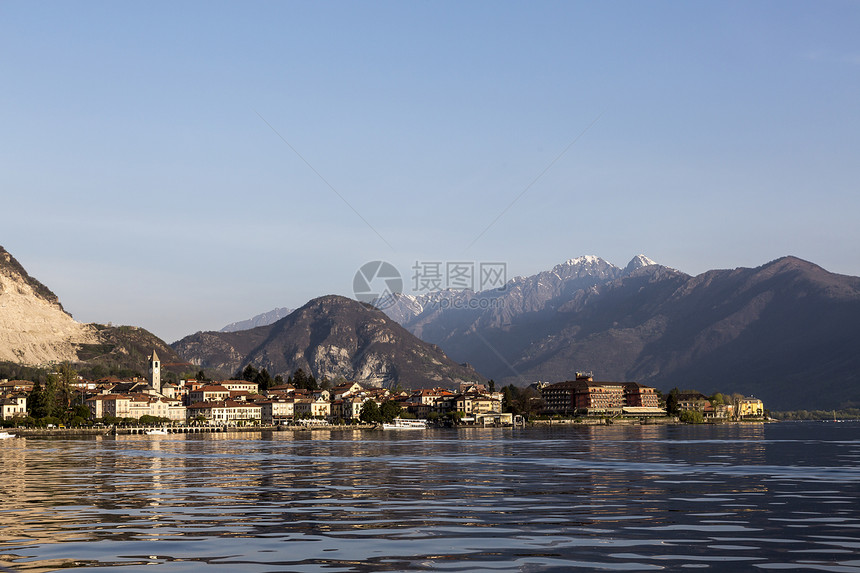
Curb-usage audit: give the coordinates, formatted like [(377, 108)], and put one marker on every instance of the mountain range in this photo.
[(259, 320), (333, 337), (786, 331)]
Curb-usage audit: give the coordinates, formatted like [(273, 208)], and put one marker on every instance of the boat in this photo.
[(403, 424), (156, 432), (6, 435)]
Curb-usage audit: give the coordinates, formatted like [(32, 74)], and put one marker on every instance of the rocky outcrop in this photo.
[(34, 328)]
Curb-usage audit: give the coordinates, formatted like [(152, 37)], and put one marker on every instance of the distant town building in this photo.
[(226, 412), (209, 393), (692, 400), (155, 372), (750, 407), (277, 411), (134, 406), (240, 386), (13, 406), (585, 396)]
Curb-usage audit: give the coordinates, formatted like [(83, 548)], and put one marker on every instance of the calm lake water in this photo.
[(783, 496)]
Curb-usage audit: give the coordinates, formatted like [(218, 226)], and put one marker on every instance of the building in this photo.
[(640, 396), (155, 372), (10, 386), (13, 406), (750, 407), (585, 396), (691, 400), (474, 403), (276, 411), (308, 407), (210, 393), (344, 390), (240, 386), (430, 397), (226, 412), (350, 407), (134, 406)]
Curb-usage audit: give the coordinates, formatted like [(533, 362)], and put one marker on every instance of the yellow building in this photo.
[(750, 407)]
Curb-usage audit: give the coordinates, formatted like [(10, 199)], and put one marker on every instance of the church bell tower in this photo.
[(155, 372)]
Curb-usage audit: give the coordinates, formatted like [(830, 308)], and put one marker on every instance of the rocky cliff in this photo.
[(34, 328)]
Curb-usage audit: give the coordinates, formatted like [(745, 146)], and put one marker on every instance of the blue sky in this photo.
[(179, 166)]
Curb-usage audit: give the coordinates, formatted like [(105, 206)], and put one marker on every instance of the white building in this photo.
[(226, 412), (276, 411)]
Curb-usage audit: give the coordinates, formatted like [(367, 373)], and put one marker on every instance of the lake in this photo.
[(782, 496)]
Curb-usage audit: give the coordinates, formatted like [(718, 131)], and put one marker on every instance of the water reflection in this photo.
[(640, 497)]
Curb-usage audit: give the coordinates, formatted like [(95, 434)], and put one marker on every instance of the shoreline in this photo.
[(141, 430)]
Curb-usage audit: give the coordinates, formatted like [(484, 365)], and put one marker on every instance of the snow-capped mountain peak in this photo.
[(583, 260), (638, 262)]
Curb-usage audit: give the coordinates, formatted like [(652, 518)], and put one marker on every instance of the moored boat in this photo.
[(156, 432), (6, 435), (403, 424)]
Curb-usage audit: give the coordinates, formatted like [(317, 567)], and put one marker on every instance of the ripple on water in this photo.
[(569, 500)]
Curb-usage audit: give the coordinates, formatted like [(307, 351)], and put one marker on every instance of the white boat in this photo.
[(403, 424), (156, 432), (6, 435)]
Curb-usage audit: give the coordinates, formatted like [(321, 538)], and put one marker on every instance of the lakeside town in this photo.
[(302, 402)]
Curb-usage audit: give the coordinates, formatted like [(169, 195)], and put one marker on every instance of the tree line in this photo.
[(298, 379)]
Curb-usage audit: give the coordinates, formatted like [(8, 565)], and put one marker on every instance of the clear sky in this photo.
[(182, 165)]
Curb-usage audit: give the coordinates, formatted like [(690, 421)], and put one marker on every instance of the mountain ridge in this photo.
[(262, 319), (717, 331), (333, 337)]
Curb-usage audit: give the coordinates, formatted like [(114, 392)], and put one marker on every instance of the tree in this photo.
[(81, 411), (263, 379), (508, 397), (736, 404), (312, 383), (38, 405), (717, 400), (201, 376), (300, 379), (521, 401), (492, 386), (66, 376), (390, 410), (52, 397), (249, 374), (691, 417), (370, 413), (672, 402)]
